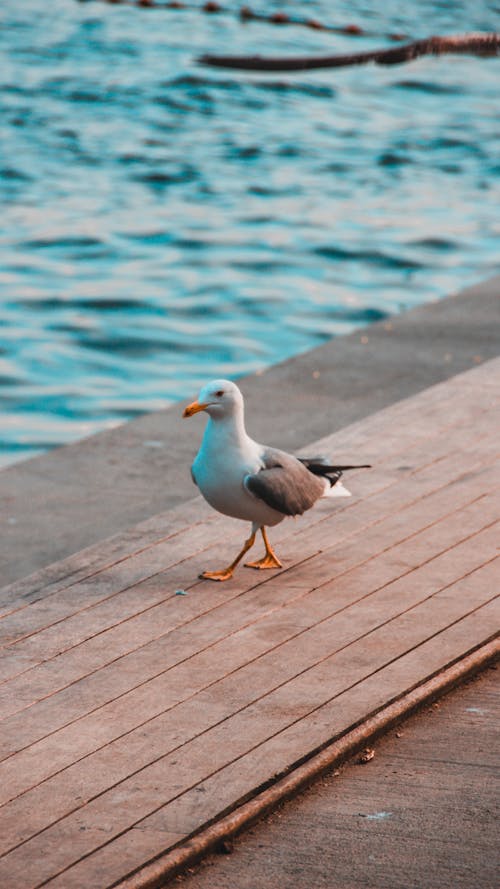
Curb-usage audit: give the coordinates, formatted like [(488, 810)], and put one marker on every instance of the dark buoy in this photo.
[(313, 23), (352, 29), (246, 13), (279, 18)]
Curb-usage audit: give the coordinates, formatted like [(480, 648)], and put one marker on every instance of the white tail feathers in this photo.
[(338, 490)]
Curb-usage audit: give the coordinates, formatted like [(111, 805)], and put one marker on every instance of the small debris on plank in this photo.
[(375, 816), (367, 755), (180, 593)]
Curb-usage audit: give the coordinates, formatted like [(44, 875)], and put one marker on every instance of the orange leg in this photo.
[(227, 573), (270, 560)]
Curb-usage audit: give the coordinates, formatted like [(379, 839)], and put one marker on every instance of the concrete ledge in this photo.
[(165, 868), (57, 504)]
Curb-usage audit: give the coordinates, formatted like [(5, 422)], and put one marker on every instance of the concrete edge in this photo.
[(164, 868)]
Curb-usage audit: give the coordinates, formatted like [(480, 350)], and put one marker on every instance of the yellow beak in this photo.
[(194, 408)]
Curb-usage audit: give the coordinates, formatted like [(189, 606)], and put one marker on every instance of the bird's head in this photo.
[(220, 398)]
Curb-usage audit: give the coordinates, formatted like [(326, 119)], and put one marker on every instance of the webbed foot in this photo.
[(225, 574), (268, 561)]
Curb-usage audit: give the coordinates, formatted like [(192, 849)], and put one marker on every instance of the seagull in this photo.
[(253, 482)]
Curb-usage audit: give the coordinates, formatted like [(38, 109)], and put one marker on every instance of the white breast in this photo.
[(220, 468)]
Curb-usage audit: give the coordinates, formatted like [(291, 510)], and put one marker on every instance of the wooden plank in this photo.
[(42, 617), (354, 550), (129, 603), (443, 404), (108, 814), (235, 691), (145, 715), (48, 612), (150, 602), (61, 575), (52, 712), (279, 753), (171, 687)]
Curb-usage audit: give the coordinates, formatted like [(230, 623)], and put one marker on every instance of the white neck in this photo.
[(231, 427)]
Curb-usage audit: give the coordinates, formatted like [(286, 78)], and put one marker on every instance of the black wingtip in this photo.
[(358, 466), (323, 467)]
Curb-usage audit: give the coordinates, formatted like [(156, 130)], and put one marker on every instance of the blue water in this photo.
[(164, 223)]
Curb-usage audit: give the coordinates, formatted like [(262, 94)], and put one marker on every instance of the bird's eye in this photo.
[(220, 393)]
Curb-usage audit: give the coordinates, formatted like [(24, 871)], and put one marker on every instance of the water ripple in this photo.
[(432, 87), (163, 223)]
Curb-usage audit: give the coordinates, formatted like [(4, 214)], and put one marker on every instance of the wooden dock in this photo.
[(135, 719)]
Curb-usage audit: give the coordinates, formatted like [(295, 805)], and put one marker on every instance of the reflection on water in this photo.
[(165, 223)]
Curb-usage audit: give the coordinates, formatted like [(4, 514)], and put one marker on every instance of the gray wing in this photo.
[(285, 484)]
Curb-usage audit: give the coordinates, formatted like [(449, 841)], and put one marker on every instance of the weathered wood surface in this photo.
[(130, 716)]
